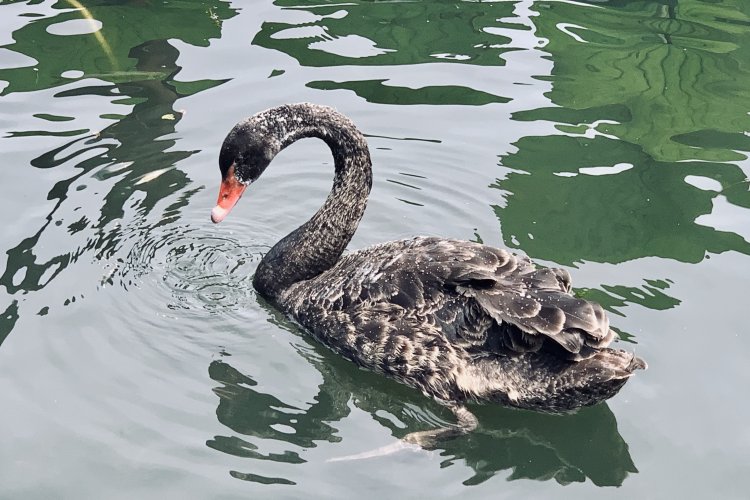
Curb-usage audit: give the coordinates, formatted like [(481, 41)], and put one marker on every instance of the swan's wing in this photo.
[(386, 338), (478, 296), (477, 290)]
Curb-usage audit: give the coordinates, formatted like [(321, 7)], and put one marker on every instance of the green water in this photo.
[(136, 361)]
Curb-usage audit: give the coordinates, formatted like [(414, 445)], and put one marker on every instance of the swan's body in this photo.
[(458, 320)]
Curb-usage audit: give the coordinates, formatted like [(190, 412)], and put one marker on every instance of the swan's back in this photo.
[(464, 321)]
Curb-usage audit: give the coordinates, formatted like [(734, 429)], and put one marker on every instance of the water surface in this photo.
[(136, 361)]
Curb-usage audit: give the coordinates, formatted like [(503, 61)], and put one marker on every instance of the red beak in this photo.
[(229, 193)]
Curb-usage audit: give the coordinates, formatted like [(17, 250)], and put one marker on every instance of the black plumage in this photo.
[(460, 321)]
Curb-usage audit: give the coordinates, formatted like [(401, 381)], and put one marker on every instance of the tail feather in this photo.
[(544, 382)]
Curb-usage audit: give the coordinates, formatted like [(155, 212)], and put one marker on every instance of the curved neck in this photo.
[(318, 244)]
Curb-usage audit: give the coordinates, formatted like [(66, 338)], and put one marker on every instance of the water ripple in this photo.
[(191, 268)]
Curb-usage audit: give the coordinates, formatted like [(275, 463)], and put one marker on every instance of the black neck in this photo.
[(318, 244)]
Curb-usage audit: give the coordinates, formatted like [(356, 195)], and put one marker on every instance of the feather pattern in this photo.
[(432, 311), (458, 320)]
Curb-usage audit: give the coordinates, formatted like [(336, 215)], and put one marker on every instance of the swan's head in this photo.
[(244, 156)]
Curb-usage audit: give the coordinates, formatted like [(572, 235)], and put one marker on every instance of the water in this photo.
[(136, 361)]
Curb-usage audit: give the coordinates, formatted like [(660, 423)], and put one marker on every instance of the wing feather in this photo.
[(475, 294), (509, 289)]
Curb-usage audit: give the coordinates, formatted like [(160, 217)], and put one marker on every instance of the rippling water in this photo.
[(136, 360)]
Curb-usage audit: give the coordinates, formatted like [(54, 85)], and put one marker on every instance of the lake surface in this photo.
[(136, 361)]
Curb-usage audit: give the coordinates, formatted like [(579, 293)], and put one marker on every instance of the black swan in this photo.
[(461, 321)]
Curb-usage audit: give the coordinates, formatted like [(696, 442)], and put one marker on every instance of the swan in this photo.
[(460, 321)]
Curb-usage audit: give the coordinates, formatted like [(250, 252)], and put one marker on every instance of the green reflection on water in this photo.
[(646, 210), (8, 320), (654, 86), (127, 150), (140, 64), (106, 54), (385, 33), (678, 67), (378, 91)]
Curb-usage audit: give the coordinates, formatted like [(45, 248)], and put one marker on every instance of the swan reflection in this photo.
[(566, 448)]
